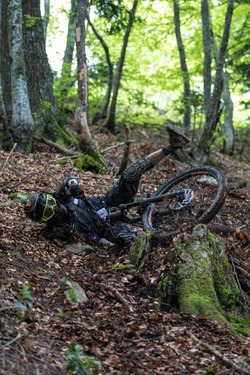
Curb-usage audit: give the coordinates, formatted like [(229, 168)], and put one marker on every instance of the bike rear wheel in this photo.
[(209, 189)]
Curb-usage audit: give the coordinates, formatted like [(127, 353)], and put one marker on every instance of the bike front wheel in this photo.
[(209, 188)]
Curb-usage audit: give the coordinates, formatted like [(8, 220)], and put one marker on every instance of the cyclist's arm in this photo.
[(69, 187)]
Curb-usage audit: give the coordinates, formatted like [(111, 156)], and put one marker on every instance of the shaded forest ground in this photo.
[(121, 324)]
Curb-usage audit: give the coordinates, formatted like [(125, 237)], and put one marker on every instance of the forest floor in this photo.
[(120, 325)]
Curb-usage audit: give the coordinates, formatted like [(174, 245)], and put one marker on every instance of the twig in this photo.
[(29, 176), (8, 307), (117, 145), (19, 336), (8, 158), (56, 146), (238, 281), (227, 361), (242, 271), (118, 296)]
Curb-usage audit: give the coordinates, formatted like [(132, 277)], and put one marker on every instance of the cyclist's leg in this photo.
[(125, 189)]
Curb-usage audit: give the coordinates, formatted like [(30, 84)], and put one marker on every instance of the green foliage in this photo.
[(65, 92), (29, 20), (24, 302), (63, 314), (151, 91), (18, 197), (122, 267), (78, 362)]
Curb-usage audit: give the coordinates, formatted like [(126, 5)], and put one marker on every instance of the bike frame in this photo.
[(184, 198)]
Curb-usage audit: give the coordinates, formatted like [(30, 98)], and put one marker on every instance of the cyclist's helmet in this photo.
[(43, 207)]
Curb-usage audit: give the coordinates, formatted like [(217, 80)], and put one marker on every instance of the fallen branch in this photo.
[(227, 361), (10, 307), (8, 158), (55, 145), (117, 145), (118, 296), (19, 336), (27, 178)]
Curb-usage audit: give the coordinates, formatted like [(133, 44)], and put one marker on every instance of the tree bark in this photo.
[(111, 120), (184, 68), (67, 80), (21, 121), (203, 149), (103, 113), (227, 127), (203, 282), (83, 133), (46, 17), (206, 39), (39, 74), (6, 141)]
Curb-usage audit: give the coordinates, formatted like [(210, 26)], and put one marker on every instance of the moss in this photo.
[(71, 295), (168, 292), (223, 279), (203, 283), (89, 163), (140, 248), (62, 162), (18, 197), (121, 267), (239, 324)]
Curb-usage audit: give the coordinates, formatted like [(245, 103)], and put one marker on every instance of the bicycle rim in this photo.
[(209, 196)]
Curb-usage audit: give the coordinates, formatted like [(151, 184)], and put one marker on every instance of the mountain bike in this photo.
[(191, 197)]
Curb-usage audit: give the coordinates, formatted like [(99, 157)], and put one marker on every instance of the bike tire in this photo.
[(190, 177)]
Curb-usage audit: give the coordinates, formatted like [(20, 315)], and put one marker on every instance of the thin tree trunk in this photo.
[(203, 148), (110, 124), (227, 127), (21, 122), (206, 39), (83, 134), (67, 79), (110, 69), (46, 17), (184, 68)]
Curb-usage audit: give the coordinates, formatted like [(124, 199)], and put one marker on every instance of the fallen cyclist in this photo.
[(67, 208)]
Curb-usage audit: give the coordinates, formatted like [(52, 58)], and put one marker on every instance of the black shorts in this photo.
[(121, 192)]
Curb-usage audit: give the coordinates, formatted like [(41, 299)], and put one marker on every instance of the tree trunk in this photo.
[(67, 80), (204, 146), (206, 38), (110, 124), (21, 122), (227, 125), (83, 134), (184, 69), (39, 74), (203, 282), (103, 113), (5, 60), (6, 141), (46, 17)]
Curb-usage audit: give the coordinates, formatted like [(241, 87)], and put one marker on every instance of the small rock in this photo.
[(80, 248)]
